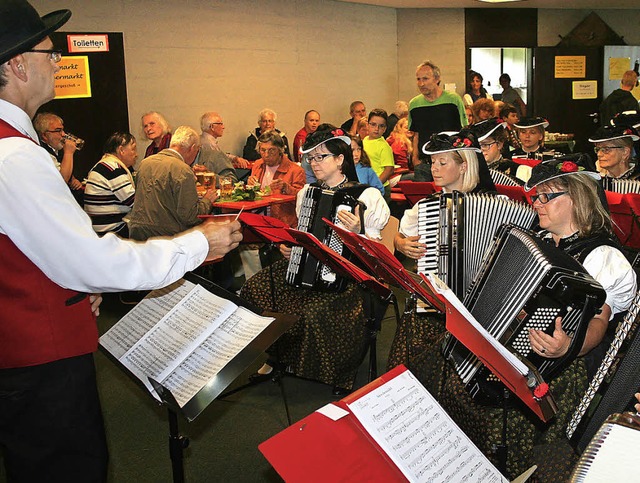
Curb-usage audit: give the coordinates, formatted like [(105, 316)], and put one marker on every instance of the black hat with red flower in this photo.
[(569, 164), (445, 142), (609, 133), (323, 134)]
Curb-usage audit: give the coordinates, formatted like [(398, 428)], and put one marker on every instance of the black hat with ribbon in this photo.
[(609, 133), (627, 118), (447, 141), (527, 122), (484, 129), (22, 28), (323, 134), (570, 164)]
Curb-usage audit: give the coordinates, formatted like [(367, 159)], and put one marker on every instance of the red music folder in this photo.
[(385, 266), (624, 209), (390, 430)]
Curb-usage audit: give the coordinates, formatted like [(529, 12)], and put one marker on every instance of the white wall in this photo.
[(239, 56)]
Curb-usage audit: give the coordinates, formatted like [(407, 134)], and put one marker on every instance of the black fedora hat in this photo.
[(527, 122), (484, 129), (321, 136), (21, 27)]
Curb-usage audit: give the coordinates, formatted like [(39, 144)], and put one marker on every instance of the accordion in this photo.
[(304, 270), (525, 283), (623, 186), (498, 177), (458, 228)]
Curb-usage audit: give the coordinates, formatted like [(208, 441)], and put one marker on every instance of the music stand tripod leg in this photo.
[(177, 444)]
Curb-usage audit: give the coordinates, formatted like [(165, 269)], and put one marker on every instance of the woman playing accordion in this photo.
[(328, 342), (573, 219)]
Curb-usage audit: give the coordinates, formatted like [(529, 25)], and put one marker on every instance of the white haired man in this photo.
[(51, 259), (166, 197), (266, 122), (211, 155)]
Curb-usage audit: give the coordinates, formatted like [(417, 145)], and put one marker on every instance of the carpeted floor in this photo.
[(224, 439)]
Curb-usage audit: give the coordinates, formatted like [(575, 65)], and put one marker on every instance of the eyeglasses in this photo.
[(54, 55), (318, 158), (59, 130), (544, 198), (376, 125), (487, 145), (214, 123), (268, 150), (606, 149)]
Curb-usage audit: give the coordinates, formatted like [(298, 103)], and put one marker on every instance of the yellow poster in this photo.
[(570, 66), (585, 89), (73, 80), (618, 66)]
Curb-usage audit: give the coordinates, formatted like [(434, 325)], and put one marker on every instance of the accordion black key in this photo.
[(304, 270), (458, 228), (525, 283)]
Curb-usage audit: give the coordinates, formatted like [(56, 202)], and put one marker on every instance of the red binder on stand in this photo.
[(624, 209), (385, 266), (390, 430)]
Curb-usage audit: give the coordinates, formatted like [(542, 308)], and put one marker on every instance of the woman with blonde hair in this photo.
[(401, 144)]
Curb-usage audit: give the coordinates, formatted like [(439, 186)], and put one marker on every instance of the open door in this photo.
[(553, 96)]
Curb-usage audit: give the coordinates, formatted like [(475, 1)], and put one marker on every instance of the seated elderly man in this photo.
[(357, 111), (266, 122), (212, 127), (166, 198), (110, 189), (157, 130)]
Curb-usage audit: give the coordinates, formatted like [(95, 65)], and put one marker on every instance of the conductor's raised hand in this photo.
[(222, 238)]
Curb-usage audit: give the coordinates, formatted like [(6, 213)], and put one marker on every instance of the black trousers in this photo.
[(51, 427)]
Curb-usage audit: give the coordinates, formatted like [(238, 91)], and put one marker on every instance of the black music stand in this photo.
[(216, 385)]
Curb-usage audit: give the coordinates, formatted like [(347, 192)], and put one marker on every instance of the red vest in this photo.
[(39, 322)]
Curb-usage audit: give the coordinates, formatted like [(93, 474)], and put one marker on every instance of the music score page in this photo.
[(182, 336), (419, 436)]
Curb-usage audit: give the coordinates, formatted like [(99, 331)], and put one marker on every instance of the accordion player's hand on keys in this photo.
[(550, 346), (350, 221), (411, 247)]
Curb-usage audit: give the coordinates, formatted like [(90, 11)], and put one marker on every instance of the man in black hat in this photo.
[(50, 260)]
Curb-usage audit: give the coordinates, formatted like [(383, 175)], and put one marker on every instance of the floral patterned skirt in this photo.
[(328, 342)]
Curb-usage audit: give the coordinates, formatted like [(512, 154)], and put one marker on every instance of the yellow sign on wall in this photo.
[(584, 89), (568, 66), (73, 80)]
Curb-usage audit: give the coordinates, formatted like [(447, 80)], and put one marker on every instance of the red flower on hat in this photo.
[(337, 132), (628, 131), (462, 143), (568, 167)]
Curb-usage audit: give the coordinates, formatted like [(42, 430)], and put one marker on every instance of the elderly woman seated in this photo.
[(614, 151)]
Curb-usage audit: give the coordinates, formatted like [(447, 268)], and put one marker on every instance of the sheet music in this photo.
[(133, 326), (442, 288), (419, 436), (233, 335)]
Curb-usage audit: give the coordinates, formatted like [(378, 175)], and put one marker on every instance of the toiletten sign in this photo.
[(73, 79), (88, 43)]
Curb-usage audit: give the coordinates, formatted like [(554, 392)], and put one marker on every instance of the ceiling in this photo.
[(552, 4)]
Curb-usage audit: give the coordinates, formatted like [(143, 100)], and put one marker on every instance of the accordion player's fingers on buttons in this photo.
[(551, 346), (351, 221)]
